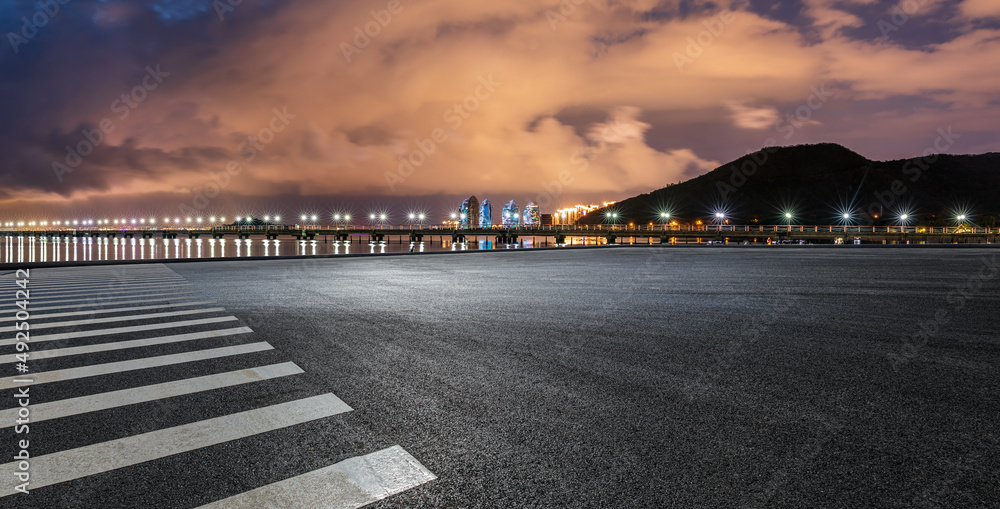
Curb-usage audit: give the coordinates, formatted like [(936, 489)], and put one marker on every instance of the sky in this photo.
[(181, 107)]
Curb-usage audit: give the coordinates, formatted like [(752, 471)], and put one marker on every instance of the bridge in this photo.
[(826, 234)]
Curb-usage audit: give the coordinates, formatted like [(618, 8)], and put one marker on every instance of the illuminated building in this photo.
[(570, 215), (511, 215), (531, 215), (486, 215), (468, 213)]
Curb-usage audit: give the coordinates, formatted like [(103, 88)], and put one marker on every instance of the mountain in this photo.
[(817, 184)]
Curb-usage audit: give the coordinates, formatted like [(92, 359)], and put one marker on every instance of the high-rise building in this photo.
[(468, 213), (531, 216), (486, 215), (511, 215)]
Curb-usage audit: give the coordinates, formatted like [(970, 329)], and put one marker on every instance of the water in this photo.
[(40, 249)]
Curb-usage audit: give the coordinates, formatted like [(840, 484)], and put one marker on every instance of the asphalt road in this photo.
[(615, 377)]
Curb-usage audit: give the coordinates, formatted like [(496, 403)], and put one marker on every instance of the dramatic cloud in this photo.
[(172, 105)]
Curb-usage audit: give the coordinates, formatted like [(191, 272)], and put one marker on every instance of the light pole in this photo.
[(665, 216)]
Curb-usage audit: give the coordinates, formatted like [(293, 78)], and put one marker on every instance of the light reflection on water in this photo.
[(25, 249)]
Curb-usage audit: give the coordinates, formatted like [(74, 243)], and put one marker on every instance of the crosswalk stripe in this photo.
[(351, 483), (110, 319), (108, 310), (96, 283), (122, 294), (31, 306), (93, 459), (99, 290), (125, 397), (60, 375), (121, 330), (123, 345)]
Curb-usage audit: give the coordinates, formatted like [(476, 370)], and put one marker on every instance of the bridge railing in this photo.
[(597, 229)]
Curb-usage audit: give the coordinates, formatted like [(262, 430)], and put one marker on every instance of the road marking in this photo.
[(177, 295), (60, 375), (115, 399), (93, 459), (354, 482), (103, 283), (130, 288), (123, 318), (123, 294), (109, 310), (123, 345), (121, 330)]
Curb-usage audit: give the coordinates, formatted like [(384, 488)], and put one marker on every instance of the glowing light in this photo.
[(347, 217)]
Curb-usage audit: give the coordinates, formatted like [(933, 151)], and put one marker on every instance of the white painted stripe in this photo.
[(183, 294), (35, 355), (352, 483), (107, 310), (151, 268), (93, 459), (105, 289), (52, 279), (125, 397), (55, 289), (111, 319), (121, 330), (124, 294), (104, 305), (60, 375), (97, 282)]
